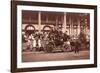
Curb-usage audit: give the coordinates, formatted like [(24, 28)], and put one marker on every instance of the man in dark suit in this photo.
[(77, 46)]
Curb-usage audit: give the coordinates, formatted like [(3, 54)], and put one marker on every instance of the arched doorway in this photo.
[(29, 29), (47, 28)]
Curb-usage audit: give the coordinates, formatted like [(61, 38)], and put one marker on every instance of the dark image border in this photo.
[(14, 35)]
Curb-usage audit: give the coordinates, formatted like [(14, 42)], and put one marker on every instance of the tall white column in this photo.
[(39, 20), (56, 22), (70, 26), (64, 23), (79, 27)]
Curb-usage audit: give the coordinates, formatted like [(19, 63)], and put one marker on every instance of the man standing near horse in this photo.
[(77, 46)]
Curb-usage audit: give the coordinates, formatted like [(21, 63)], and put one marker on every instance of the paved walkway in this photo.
[(41, 56)]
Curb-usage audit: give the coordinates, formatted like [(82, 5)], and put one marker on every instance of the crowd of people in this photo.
[(48, 41)]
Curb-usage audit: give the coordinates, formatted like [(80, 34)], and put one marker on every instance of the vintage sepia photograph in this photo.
[(52, 36), (55, 36)]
